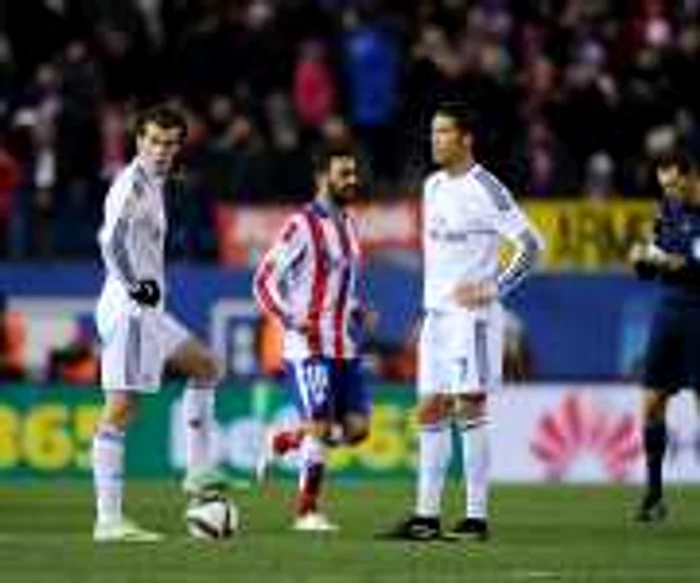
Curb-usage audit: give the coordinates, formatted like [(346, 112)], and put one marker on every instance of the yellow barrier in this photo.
[(590, 235)]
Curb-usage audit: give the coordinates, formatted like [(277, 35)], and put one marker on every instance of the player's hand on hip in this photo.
[(475, 294), (298, 323), (366, 318), (145, 292), (370, 319)]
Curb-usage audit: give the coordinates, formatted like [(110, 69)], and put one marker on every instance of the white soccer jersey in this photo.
[(136, 341), (132, 237), (464, 218), (308, 281)]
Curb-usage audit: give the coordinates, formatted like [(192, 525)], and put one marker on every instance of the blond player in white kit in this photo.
[(466, 214), (137, 335)]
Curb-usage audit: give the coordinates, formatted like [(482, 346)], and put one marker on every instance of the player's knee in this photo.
[(321, 430), (118, 412), (356, 431), (215, 369), (471, 407), (208, 369), (654, 405), (357, 436), (434, 409)]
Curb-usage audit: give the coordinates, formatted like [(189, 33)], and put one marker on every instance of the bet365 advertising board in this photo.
[(539, 433)]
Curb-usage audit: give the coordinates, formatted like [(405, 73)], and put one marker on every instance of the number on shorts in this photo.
[(316, 380)]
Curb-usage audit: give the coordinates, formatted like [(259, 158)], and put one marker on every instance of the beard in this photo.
[(341, 196)]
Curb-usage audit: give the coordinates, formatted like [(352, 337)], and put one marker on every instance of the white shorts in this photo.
[(135, 348), (461, 352)]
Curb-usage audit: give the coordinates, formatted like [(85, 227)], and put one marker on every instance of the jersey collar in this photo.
[(152, 178), (326, 209)]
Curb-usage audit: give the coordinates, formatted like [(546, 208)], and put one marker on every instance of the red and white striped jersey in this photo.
[(308, 279)]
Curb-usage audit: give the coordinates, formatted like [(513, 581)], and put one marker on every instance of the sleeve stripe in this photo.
[(290, 231), (482, 353), (120, 250), (264, 294), (498, 193), (132, 356), (270, 280), (521, 264), (297, 260), (320, 281)]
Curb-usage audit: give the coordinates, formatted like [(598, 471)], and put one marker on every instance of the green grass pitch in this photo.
[(546, 533)]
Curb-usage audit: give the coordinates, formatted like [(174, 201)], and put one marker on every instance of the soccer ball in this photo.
[(213, 519)]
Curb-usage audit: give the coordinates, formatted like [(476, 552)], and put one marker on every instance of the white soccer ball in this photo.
[(212, 519)]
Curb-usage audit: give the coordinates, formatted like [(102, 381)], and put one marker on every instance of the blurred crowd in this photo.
[(574, 98)]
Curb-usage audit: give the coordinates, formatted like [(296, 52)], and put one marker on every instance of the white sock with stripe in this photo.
[(311, 474), (108, 472), (198, 418), (434, 454), (475, 452)]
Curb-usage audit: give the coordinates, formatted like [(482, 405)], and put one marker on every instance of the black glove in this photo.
[(145, 292)]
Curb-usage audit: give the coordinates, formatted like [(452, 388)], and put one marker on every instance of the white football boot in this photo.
[(314, 522), (124, 530)]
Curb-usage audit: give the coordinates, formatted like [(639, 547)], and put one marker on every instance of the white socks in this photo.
[(198, 419), (108, 450), (434, 454), (475, 451), (312, 456), (108, 472)]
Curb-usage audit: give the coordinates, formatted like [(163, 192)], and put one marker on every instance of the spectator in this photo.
[(540, 94), (36, 134), (587, 114), (9, 181), (7, 77), (114, 141), (337, 132), (314, 87), (77, 120), (289, 178), (544, 165), (599, 180), (232, 167), (570, 94), (372, 66)]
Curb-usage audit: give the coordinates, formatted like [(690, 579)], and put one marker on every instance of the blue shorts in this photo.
[(326, 389)]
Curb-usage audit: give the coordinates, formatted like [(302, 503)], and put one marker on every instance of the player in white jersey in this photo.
[(308, 282), (466, 214), (137, 335)]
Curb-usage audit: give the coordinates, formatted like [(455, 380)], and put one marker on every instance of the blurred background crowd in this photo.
[(575, 98)]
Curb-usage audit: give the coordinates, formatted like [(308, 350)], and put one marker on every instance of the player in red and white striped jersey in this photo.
[(308, 280)]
